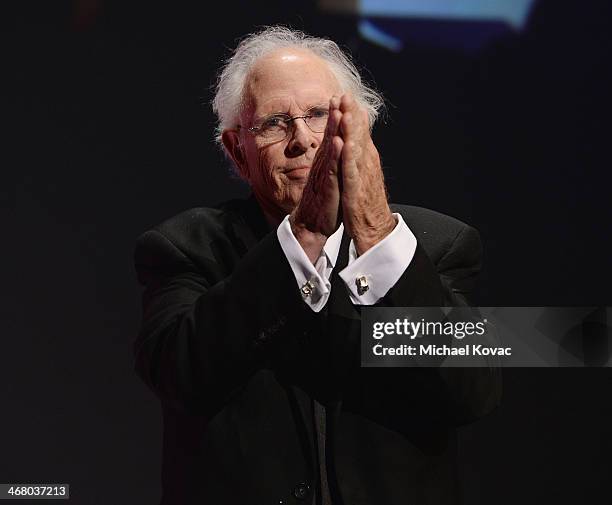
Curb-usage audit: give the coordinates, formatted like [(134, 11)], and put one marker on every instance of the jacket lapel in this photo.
[(246, 224)]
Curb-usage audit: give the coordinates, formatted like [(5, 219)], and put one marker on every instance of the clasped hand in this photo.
[(345, 184)]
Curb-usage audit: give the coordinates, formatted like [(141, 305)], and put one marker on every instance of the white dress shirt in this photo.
[(368, 277)]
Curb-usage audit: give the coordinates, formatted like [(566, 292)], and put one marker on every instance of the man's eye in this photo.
[(318, 113), (274, 122)]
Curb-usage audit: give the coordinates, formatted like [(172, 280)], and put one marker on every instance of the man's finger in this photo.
[(350, 172), (346, 127), (359, 124), (337, 145), (347, 103), (351, 132), (333, 123), (334, 103), (333, 120)]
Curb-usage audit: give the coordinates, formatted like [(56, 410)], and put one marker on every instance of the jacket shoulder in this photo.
[(435, 231), (192, 237)]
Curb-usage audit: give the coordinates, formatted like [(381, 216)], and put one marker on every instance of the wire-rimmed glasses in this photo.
[(277, 127)]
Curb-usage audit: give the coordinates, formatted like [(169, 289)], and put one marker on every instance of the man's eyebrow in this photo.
[(320, 105), (279, 113), (271, 114)]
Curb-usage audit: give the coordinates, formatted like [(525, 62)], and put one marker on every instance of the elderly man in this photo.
[(250, 331)]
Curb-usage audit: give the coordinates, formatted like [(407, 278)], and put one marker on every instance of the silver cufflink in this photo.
[(362, 284), (307, 289)]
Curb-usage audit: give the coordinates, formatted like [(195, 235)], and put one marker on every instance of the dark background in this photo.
[(109, 132)]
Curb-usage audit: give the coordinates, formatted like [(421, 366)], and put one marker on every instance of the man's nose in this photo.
[(301, 138)]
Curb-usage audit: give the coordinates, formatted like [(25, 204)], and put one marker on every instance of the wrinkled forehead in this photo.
[(289, 80)]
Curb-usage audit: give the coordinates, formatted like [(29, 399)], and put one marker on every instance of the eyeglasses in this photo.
[(277, 127)]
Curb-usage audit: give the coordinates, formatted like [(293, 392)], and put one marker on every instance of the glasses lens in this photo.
[(317, 120), (274, 127)]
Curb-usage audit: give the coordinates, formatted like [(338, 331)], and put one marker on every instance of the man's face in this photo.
[(288, 81)]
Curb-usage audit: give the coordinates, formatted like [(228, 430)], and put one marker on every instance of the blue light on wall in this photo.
[(460, 24)]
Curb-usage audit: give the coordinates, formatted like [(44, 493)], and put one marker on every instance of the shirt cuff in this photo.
[(312, 282), (370, 276)]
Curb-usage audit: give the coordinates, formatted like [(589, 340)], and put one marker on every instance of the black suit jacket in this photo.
[(236, 358)]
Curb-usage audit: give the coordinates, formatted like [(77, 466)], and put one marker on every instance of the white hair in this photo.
[(230, 84)]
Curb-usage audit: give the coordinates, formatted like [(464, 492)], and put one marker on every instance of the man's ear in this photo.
[(231, 141)]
